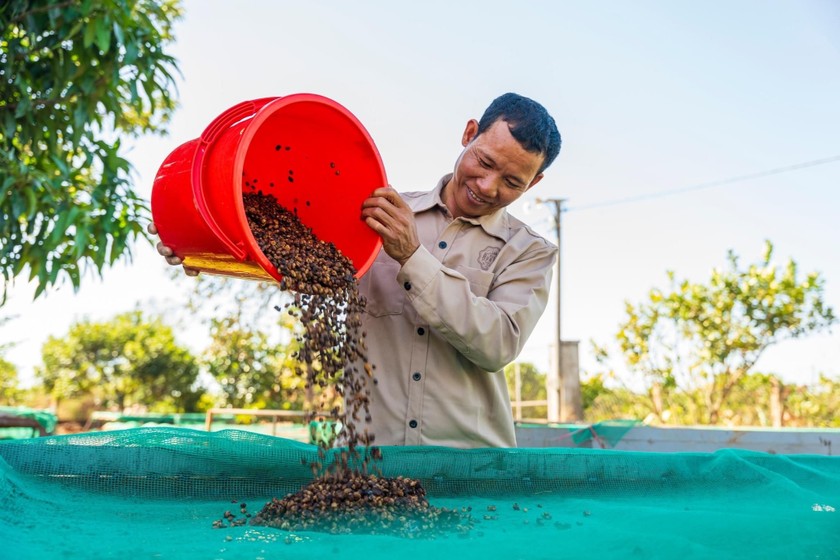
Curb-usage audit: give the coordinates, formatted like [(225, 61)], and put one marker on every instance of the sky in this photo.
[(689, 129)]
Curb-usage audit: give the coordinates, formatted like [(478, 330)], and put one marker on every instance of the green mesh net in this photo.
[(155, 492), (607, 434)]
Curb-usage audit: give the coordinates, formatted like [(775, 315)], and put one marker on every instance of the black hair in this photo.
[(528, 122)]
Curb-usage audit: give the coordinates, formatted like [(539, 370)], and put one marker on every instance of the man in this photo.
[(458, 286)]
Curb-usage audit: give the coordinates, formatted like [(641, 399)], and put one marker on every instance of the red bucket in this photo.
[(306, 150)]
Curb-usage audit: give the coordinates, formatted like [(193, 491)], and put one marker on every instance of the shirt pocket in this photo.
[(480, 280), (379, 285)]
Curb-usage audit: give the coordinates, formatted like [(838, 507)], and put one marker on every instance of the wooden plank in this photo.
[(12, 421), (688, 439)]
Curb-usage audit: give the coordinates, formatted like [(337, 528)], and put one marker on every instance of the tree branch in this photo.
[(20, 17)]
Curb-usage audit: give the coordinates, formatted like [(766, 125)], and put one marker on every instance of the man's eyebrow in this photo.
[(485, 156)]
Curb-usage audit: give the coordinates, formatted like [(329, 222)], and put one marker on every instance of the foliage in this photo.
[(75, 78), (255, 369), (706, 337), (532, 388), (9, 391), (749, 404), (252, 371), (601, 402), (8, 374), (590, 389), (813, 406), (128, 360), (253, 304)]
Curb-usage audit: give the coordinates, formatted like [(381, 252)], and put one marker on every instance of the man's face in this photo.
[(492, 172)]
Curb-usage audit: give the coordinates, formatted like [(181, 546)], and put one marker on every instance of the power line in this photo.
[(737, 179)]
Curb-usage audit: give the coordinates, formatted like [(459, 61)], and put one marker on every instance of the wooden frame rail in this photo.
[(12, 421), (274, 414), (517, 407)]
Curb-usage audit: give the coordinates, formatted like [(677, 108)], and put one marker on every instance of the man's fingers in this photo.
[(169, 254), (376, 225), (377, 202), (163, 249), (387, 218), (382, 194)]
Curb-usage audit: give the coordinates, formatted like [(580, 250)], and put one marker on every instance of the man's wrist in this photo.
[(405, 259)]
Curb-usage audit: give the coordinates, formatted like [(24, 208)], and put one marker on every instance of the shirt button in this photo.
[(416, 376), (412, 424), (442, 244), (421, 331), (407, 285)]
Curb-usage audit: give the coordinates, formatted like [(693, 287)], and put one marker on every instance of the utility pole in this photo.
[(564, 400)]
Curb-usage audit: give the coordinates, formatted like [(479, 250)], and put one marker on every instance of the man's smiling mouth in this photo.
[(475, 198)]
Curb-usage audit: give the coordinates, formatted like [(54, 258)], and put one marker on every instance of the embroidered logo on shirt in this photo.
[(486, 257)]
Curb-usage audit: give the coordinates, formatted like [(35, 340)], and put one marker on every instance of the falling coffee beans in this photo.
[(330, 312), (349, 494)]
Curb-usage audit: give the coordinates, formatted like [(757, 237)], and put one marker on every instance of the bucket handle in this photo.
[(233, 116), (220, 124), (226, 119)]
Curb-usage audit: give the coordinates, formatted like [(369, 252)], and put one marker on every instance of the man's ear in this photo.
[(469, 132), (536, 180)]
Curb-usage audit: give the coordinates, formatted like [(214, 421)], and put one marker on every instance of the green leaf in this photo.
[(9, 124), (60, 163), (74, 30), (101, 253), (23, 107), (118, 33), (32, 203), (34, 268), (90, 33), (54, 274), (6, 189), (131, 52), (60, 227), (87, 85), (39, 290), (43, 275), (103, 36), (73, 273), (80, 241)]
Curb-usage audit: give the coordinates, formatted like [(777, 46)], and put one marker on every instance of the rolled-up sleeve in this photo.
[(487, 329)]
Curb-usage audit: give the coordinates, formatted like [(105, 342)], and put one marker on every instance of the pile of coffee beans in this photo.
[(364, 504), (349, 494)]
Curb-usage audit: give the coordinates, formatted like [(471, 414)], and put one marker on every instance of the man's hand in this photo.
[(168, 253), (386, 213)]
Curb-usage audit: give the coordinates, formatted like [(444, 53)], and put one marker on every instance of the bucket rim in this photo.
[(260, 116)]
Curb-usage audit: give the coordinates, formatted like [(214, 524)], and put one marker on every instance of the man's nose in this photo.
[(488, 185)]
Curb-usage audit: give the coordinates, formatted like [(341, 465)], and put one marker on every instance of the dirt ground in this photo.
[(69, 427)]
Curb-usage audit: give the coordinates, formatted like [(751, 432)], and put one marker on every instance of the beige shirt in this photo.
[(441, 328)]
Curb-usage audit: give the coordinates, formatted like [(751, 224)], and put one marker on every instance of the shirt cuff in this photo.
[(418, 272)]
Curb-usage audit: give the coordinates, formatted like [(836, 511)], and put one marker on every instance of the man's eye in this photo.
[(483, 163)]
